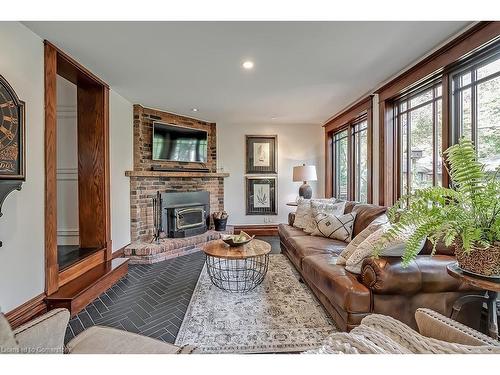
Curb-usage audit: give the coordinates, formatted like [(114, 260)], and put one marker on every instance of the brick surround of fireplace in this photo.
[(144, 183)]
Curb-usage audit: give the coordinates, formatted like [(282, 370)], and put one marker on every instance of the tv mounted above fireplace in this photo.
[(178, 143)]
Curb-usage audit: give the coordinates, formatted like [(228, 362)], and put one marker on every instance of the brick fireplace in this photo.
[(181, 177)]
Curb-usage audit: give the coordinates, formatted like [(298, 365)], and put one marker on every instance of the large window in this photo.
[(360, 159), (418, 121), (341, 167), (350, 161), (476, 106)]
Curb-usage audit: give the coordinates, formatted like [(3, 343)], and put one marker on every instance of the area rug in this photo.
[(280, 315)]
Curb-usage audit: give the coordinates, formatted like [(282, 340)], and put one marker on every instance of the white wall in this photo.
[(67, 164), (297, 144), (121, 152), (22, 223)]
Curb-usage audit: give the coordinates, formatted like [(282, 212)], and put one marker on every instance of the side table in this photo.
[(492, 288)]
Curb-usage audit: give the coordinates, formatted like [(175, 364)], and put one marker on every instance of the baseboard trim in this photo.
[(258, 230), (119, 253), (27, 311)]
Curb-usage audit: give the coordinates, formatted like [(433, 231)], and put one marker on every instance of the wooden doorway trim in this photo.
[(93, 159)]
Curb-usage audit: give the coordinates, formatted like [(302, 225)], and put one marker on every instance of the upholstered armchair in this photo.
[(45, 334), (380, 334)]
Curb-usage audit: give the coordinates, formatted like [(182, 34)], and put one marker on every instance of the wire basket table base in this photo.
[(237, 275)]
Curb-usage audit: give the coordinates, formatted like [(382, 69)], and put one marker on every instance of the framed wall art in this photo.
[(261, 154), (261, 195)]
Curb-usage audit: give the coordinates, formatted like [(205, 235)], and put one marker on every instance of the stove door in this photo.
[(189, 217)]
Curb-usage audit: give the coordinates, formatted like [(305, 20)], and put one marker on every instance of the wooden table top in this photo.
[(477, 281), (220, 249)]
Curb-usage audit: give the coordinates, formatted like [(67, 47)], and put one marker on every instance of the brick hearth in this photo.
[(167, 248), (144, 183)]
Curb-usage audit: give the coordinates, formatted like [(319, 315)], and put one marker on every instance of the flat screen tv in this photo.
[(177, 143)]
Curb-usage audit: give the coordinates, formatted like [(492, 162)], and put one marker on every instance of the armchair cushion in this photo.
[(437, 326), (44, 334), (105, 340), (8, 343), (417, 343)]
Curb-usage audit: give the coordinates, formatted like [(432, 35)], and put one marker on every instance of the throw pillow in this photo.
[(303, 213), (363, 235), (323, 206), (8, 343), (365, 249), (336, 227)]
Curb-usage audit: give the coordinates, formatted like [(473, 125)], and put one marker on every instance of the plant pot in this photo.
[(220, 224), (481, 261)]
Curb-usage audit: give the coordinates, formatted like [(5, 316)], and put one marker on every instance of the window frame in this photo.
[(432, 84), (437, 64), (351, 136), (471, 64)]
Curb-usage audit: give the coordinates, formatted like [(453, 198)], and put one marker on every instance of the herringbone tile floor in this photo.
[(151, 300)]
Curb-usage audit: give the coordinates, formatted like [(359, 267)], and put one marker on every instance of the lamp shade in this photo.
[(304, 173)]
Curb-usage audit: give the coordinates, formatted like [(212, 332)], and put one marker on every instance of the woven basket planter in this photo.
[(480, 260)]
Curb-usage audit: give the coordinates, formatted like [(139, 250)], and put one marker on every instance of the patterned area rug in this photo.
[(280, 315)]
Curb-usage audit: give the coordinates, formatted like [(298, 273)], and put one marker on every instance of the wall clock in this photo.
[(12, 161)]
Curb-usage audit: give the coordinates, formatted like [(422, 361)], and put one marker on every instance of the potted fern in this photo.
[(466, 216)]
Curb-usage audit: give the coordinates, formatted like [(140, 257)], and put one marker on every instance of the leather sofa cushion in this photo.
[(441, 249), (365, 214), (288, 231), (340, 286), (311, 245)]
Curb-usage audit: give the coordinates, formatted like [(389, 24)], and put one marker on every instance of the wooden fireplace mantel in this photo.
[(175, 174)]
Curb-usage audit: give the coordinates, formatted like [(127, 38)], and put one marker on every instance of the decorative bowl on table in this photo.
[(235, 240)]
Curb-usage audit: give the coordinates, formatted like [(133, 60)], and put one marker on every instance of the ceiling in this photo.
[(304, 71)]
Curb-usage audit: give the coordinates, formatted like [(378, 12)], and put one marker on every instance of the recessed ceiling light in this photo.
[(195, 110), (247, 65), (273, 118)]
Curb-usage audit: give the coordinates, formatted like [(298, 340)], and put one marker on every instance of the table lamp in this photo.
[(305, 173)]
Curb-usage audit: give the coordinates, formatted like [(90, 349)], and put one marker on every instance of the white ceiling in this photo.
[(304, 71)]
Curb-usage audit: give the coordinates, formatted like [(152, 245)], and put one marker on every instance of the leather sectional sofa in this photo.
[(383, 287)]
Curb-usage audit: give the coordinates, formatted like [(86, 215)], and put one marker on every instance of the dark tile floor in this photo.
[(152, 299)]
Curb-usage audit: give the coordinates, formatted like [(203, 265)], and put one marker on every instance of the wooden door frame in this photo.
[(59, 63)]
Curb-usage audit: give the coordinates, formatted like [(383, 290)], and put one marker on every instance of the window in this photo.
[(340, 157), (418, 118), (350, 161), (360, 142), (476, 106)]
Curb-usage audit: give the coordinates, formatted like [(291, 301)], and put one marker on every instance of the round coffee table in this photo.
[(237, 269)]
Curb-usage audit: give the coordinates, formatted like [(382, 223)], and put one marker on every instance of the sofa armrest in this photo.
[(44, 334), (426, 274), (291, 218)]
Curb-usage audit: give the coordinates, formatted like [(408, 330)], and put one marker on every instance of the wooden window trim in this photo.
[(338, 123), (431, 85), (478, 36)]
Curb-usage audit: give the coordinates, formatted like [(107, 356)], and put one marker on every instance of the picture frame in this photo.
[(261, 195), (261, 154)]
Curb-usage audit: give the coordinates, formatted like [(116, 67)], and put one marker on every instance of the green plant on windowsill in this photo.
[(467, 215)]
